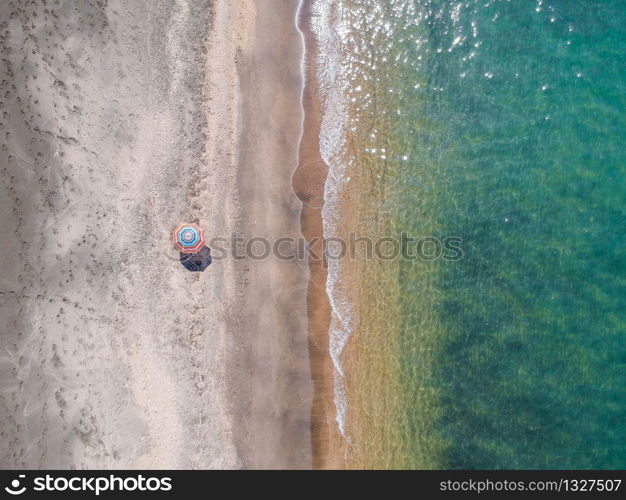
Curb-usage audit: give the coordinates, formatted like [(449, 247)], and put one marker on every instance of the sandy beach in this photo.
[(468, 314), (118, 122), (270, 374)]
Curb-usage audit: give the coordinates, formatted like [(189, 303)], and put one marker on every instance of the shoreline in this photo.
[(328, 445), (269, 380)]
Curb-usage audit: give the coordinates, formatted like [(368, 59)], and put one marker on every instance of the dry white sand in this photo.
[(119, 121)]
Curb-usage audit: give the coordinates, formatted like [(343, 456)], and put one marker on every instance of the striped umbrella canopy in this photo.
[(188, 237)]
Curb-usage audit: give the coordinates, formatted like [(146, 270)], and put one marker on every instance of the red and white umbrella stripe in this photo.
[(188, 238)]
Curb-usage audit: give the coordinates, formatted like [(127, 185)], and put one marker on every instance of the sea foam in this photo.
[(331, 77), (344, 36)]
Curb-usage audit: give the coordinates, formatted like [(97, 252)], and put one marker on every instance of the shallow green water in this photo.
[(504, 123)]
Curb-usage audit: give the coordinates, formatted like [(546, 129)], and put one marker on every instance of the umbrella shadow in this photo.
[(196, 262)]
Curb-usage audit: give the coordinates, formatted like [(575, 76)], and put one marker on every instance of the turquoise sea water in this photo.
[(535, 315), (504, 123)]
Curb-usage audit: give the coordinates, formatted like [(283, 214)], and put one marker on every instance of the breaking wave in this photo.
[(331, 76)]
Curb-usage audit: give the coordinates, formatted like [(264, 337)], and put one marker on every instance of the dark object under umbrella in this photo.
[(198, 261)]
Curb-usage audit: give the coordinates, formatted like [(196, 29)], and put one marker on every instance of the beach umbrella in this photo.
[(198, 261), (188, 238)]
